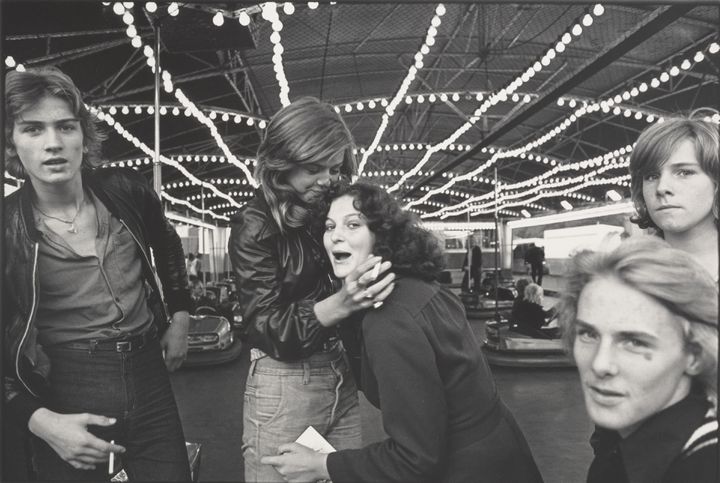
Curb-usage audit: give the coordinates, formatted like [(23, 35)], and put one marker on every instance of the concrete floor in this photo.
[(547, 404)]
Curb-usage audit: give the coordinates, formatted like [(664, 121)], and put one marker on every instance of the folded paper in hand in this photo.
[(315, 441)]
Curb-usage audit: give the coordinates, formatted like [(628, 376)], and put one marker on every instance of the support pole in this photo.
[(157, 168), (497, 248)]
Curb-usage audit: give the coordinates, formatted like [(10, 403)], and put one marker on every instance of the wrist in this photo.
[(37, 421), (329, 313), (323, 466)]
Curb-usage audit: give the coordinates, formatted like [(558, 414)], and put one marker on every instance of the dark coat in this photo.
[(128, 197), (421, 365), (282, 276), (677, 445)]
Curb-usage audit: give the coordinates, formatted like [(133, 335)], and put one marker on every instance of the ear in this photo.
[(694, 361)]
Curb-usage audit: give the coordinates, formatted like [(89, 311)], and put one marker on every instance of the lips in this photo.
[(55, 161), (666, 207), (340, 256), (605, 396)]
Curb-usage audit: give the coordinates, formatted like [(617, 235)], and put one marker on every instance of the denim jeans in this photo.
[(133, 387), (283, 398)]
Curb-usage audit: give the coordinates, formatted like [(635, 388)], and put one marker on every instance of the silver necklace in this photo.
[(72, 229)]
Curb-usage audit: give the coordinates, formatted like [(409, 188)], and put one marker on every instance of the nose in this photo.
[(336, 235), (664, 184), (52, 140), (324, 178), (603, 361)]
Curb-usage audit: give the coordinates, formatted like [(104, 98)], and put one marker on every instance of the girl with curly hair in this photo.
[(420, 364)]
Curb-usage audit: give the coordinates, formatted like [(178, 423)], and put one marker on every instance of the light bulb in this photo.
[(244, 18), (288, 8), (598, 10), (151, 7), (218, 19), (576, 30), (587, 20), (312, 5), (118, 8)]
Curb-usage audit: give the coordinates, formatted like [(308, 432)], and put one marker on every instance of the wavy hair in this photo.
[(23, 91), (670, 276), (411, 249), (658, 142), (304, 132)]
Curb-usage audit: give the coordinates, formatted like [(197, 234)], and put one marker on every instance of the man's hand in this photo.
[(174, 341), (297, 463), (68, 436)]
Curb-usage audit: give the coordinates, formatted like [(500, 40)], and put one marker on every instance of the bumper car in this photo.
[(505, 345), (211, 340)]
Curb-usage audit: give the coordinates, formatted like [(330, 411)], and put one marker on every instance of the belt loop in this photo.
[(306, 373), (93, 346)]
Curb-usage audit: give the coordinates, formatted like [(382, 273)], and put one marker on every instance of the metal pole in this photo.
[(202, 229), (157, 168), (497, 247)]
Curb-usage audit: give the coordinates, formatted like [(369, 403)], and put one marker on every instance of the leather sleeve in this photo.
[(167, 250), (284, 329)]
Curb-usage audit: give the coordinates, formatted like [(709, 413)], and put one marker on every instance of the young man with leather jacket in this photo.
[(83, 317)]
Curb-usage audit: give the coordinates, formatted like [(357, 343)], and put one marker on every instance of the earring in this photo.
[(85, 149)]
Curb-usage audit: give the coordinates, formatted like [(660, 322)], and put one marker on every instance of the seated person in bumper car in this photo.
[(529, 316), (420, 364), (642, 325)]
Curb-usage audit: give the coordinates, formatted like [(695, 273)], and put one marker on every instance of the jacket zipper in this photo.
[(29, 322), (147, 260)]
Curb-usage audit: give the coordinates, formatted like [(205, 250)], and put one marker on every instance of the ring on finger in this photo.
[(367, 294)]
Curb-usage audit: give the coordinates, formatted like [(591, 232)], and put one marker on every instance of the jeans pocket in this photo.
[(263, 399)]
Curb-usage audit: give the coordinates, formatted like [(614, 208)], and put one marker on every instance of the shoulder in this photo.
[(253, 221), (119, 178), (403, 308)]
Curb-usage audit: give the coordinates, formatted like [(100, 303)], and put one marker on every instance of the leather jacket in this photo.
[(127, 196), (281, 276)]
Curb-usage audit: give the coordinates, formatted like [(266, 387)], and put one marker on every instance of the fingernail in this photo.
[(112, 420)]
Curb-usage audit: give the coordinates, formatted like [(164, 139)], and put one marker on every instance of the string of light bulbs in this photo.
[(603, 105), (405, 84), (506, 92), (178, 93)]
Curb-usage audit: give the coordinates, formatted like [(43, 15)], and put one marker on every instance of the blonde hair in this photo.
[(304, 132), (670, 276), (534, 293)]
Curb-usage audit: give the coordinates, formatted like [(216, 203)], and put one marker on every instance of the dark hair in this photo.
[(520, 287), (23, 90), (670, 276), (658, 142), (398, 238), (304, 132)]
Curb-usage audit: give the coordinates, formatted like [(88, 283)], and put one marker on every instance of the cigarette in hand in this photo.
[(111, 463), (375, 271)]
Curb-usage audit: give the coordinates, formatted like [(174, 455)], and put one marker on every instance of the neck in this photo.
[(59, 196), (701, 243)]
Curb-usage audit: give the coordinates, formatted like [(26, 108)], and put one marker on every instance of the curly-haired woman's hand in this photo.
[(363, 288)]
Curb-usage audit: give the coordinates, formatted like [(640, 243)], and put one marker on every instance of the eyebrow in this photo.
[(622, 333), (59, 121)]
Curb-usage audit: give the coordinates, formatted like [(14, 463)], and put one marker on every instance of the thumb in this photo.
[(97, 420)]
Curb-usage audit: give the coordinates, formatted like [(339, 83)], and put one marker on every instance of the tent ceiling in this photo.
[(354, 53)]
